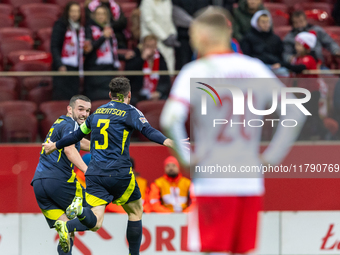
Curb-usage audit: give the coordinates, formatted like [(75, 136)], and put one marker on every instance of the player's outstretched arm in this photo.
[(156, 136), (68, 140), (85, 144), (73, 155)]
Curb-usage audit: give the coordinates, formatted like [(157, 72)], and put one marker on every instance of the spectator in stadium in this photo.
[(318, 125), (146, 58), (156, 18), (144, 191), (242, 16), (260, 42), (336, 12), (300, 24), (103, 56), (67, 51), (170, 193), (118, 21), (183, 11)]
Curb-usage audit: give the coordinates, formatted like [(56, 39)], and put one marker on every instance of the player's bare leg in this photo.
[(134, 231), (134, 210), (99, 213)]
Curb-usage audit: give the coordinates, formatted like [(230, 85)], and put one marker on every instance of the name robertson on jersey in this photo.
[(112, 111)]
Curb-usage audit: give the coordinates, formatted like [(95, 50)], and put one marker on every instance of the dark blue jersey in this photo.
[(57, 165), (112, 125)]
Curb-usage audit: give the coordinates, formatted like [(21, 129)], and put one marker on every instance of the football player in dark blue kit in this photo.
[(54, 182), (109, 177)]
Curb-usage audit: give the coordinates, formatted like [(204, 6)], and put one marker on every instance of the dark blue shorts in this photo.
[(120, 190), (54, 196)]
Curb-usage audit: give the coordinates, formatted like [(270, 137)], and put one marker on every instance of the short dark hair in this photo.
[(65, 16), (297, 14), (78, 97), (119, 85)]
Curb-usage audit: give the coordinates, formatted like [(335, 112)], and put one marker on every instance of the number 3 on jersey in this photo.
[(103, 132)]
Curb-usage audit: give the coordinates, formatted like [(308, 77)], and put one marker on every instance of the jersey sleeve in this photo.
[(137, 120), (67, 129), (180, 90)]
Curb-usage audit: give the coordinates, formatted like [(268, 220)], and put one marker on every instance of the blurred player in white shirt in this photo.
[(226, 213)]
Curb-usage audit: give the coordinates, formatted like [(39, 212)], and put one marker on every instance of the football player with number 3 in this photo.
[(226, 213), (109, 177)]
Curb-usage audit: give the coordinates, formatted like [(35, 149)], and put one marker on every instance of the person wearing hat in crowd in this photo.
[(318, 124), (170, 193), (261, 42)]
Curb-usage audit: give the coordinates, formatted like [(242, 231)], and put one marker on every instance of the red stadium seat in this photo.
[(9, 45), (63, 3), (40, 8), (30, 83), (45, 46), (38, 21), (51, 111), (273, 7), (333, 31), (98, 103), (6, 9), (317, 13), (17, 3), (6, 21), (280, 20), (148, 106), (127, 8), (18, 105), (282, 31), (19, 126), (29, 55), (6, 95), (39, 95), (30, 66), (17, 33), (44, 34), (8, 83), (290, 3)]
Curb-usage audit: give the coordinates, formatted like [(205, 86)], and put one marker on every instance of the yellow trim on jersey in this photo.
[(85, 129), (125, 136), (53, 214), (94, 201), (127, 194), (59, 154), (79, 191), (73, 177)]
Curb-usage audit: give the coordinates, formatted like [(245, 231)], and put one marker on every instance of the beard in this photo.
[(172, 175)]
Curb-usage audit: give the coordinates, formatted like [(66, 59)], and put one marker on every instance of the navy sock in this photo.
[(60, 251), (75, 225), (134, 235), (88, 218)]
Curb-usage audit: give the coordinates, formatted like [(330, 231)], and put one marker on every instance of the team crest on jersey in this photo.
[(143, 120)]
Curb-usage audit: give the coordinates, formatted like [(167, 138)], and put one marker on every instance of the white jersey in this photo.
[(234, 146)]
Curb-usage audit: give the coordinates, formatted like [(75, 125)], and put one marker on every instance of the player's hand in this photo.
[(263, 161), (49, 147), (186, 143)]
